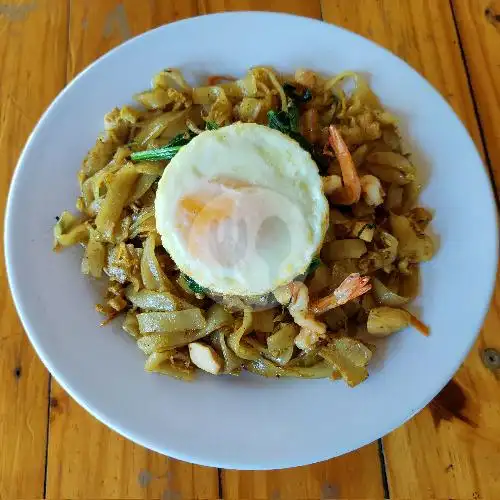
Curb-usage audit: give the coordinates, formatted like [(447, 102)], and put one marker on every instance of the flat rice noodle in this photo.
[(160, 98), (153, 128), (280, 358), (217, 317), (362, 95), (121, 232), (269, 78), (171, 321), (69, 230), (122, 264), (97, 158), (266, 368), (143, 223), (245, 87), (232, 363), (346, 249), (391, 247), (411, 192), (350, 357), (395, 161), (114, 202), (263, 321), (221, 110), (160, 363), (413, 247), (150, 167), (95, 186), (410, 282), (385, 296), (249, 109), (152, 274), (149, 300), (383, 321), (144, 182), (215, 320), (394, 199), (171, 78), (94, 257), (283, 338), (131, 325), (306, 359), (359, 155), (322, 369), (387, 174), (236, 342)]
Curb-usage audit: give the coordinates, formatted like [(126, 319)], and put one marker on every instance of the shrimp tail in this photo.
[(350, 192), (352, 287)]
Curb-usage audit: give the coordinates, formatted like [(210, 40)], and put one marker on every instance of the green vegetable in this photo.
[(166, 152), (279, 120), (195, 287), (210, 125)]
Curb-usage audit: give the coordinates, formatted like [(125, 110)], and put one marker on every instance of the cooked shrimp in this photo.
[(351, 189), (295, 295), (372, 190), (353, 286)]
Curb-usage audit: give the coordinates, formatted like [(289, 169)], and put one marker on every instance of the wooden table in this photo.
[(51, 448)]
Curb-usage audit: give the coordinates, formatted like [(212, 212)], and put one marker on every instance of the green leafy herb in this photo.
[(193, 286), (164, 153), (279, 120), (156, 154), (315, 263), (210, 125)]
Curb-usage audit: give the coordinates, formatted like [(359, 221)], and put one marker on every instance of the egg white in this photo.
[(241, 209)]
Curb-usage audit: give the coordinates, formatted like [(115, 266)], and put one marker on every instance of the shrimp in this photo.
[(373, 192), (353, 286), (350, 192), (296, 296)]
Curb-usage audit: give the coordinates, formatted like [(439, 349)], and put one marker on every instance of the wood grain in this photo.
[(433, 457), (333, 478), (85, 458), (479, 27), (32, 71)]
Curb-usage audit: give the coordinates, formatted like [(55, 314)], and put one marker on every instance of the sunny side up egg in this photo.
[(241, 209)]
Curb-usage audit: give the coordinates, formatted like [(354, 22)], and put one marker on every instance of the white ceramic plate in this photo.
[(248, 422)]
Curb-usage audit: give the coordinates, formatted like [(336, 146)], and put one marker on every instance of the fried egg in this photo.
[(241, 209)]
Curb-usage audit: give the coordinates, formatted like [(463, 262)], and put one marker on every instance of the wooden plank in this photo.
[(479, 28), (333, 478), (85, 458), (32, 55), (447, 451)]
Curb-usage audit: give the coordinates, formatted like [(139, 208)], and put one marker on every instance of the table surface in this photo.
[(51, 448)]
